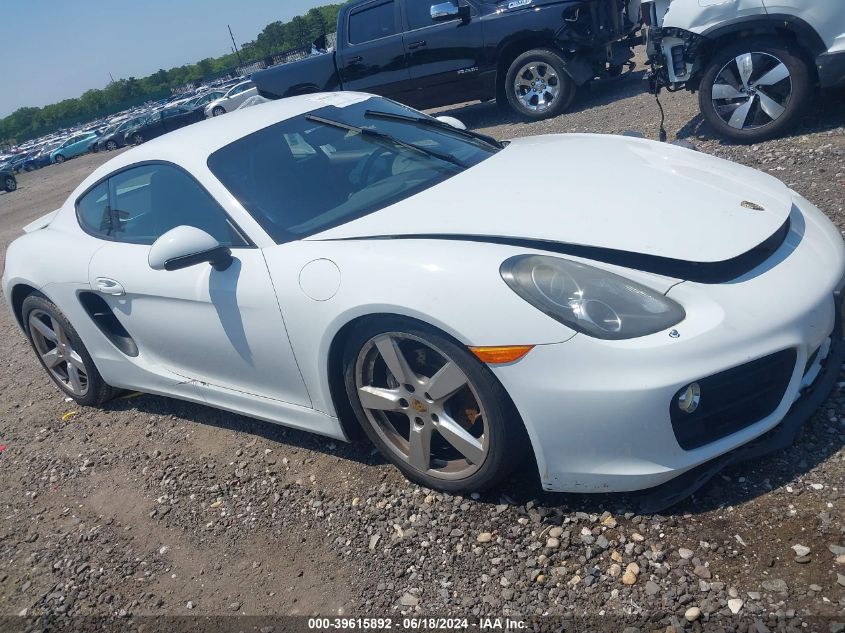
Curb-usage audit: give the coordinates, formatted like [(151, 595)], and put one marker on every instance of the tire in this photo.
[(111, 146), (537, 85), (93, 390), (10, 184), (218, 110), (59, 158), (480, 409), (137, 138), (770, 58)]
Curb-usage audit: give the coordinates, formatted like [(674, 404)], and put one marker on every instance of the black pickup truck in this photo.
[(529, 54)]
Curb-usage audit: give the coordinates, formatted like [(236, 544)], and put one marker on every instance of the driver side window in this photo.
[(141, 204)]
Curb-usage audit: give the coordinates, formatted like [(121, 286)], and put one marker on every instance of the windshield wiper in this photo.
[(430, 122), (382, 137)]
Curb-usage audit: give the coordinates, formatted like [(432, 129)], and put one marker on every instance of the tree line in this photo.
[(29, 122)]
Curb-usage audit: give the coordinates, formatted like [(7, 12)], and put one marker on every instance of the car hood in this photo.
[(613, 193)]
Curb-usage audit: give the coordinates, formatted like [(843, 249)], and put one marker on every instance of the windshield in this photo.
[(307, 174)]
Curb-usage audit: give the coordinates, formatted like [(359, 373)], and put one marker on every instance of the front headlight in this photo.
[(590, 300)]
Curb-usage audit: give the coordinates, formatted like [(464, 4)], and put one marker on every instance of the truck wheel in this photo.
[(537, 86), (754, 90)]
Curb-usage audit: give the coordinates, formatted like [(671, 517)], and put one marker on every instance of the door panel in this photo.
[(373, 58), (827, 17), (444, 58), (218, 327)]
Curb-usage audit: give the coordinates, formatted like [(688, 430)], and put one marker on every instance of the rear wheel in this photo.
[(431, 407), (537, 85), (754, 90), (9, 183), (62, 353), (111, 145)]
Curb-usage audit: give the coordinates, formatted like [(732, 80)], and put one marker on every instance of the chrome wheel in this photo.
[(752, 90), (57, 353), (422, 406), (537, 86)]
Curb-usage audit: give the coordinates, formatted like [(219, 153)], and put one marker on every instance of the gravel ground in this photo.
[(157, 507)]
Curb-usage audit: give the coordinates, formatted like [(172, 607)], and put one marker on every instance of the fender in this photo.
[(773, 23)]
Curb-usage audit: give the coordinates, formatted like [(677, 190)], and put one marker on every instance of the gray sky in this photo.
[(57, 49)]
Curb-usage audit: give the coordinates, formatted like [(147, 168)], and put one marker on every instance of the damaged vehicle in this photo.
[(754, 63), (530, 55), (339, 262)]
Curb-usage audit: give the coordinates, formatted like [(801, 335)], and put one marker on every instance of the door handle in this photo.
[(415, 45), (108, 286), (354, 59)]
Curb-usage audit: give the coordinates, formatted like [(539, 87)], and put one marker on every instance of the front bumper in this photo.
[(599, 412), (673, 57)]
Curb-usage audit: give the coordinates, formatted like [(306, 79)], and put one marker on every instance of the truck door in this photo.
[(445, 56), (372, 57)]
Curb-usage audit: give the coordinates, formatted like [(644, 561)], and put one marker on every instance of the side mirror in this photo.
[(186, 246), (450, 120), (445, 11)]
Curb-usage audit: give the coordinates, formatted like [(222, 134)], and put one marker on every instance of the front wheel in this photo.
[(111, 145), (10, 184), (217, 111), (432, 409), (137, 139), (59, 158), (754, 90), (537, 85), (62, 353)]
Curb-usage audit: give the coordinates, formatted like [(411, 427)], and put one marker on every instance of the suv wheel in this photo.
[(537, 85), (754, 90)]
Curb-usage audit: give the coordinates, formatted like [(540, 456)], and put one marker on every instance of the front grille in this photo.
[(733, 400)]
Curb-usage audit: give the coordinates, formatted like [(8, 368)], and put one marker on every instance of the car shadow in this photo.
[(356, 451), (734, 485), (824, 114), (597, 93)]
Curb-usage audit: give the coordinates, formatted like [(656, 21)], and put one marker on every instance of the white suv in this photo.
[(755, 63)]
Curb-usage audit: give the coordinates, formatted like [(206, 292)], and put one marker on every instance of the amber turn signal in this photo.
[(500, 355)]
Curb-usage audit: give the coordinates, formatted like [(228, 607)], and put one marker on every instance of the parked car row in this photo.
[(131, 127)]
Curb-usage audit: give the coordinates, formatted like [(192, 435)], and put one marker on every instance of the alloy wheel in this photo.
[(752, 90), (11, 184), (422, 406), (57, 353), (537, 86), (111, 145)]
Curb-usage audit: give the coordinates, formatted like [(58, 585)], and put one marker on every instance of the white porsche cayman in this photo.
[(336, 260)]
